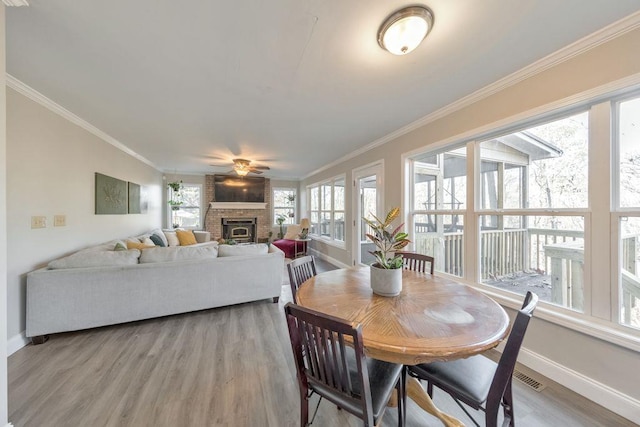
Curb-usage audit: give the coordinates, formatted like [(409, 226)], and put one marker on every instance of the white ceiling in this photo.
[(293, 84)]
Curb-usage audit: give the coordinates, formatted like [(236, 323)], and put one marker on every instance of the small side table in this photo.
[(302, 250)]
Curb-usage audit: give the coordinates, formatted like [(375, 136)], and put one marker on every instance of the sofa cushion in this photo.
[(157, 240), (93, 258), (186, 237), (178, 253), (172, 239), (236, 250)]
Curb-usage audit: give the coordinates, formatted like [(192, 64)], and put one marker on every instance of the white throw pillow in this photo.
[(293, 232), (172, 238), (93, 258), (236, 250), (178, 253)]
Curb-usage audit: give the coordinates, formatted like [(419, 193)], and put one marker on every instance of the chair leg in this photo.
[(402, 398), (304, 408), (507, 403)]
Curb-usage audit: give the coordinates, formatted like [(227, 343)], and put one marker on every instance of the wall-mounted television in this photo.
[(229, 188)]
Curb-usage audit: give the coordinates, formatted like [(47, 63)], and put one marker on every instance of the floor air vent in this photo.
[(527, 380)]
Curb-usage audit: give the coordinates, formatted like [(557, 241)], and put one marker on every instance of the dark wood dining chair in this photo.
[(478, 381), (417, 262), (340, 372), (300, 270)]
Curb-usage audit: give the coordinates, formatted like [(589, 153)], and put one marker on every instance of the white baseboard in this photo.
[(327, 258), (16, 342), (599, 393)]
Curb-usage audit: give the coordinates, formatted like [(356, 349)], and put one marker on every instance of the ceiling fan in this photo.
[(242, 167)]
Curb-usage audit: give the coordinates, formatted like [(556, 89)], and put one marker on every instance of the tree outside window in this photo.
[(284, 205), (185, 211)]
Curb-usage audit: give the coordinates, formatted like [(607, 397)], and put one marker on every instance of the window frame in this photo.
[(290, 220), (331, 211), (170, 211), (601, 216)]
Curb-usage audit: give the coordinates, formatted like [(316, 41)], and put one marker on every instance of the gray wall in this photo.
[(50, 171)]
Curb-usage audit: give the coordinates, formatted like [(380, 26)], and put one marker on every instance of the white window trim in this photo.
[(274, 207), (331, 241), (606, 328), (202, 211)]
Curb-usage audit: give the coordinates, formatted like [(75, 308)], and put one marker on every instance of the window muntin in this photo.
[(327, 209), (284, 205), (186, 215)]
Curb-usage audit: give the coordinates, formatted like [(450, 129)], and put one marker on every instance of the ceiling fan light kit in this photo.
[(404, 30), (242, 167)]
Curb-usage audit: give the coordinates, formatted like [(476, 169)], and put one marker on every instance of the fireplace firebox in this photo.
[(242, 230)]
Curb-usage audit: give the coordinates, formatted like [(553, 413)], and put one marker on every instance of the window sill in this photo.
[(335, 243), (607, 331)]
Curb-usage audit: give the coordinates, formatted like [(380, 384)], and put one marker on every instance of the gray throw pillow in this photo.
[(157, 240)]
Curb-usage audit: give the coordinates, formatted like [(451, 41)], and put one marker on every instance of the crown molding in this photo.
[(36, 96), (610, 32), (15, 3)]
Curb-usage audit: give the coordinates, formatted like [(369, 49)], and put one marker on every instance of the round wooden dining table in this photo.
[(433, 319)]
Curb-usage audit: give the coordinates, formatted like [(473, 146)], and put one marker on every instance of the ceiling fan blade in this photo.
[(252, 170), (266, 168)]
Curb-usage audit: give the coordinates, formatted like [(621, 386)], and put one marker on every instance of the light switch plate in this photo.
[(38, 222), (59, 220)]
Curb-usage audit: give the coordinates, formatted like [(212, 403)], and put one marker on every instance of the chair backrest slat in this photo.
[(417, 262), (322, 358), (300, 270)]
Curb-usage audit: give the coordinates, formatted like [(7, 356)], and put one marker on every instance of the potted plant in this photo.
[(386, 272), (176, 186), (280, 220)]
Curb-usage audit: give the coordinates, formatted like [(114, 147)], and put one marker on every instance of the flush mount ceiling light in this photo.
[(405, 29)]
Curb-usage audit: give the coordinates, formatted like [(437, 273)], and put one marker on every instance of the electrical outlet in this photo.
[(38, 222), (59, 220)]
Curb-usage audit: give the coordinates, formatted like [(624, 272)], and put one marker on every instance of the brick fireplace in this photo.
[(214, 217)]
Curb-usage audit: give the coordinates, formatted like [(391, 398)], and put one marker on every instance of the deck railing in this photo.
[(558, 253)]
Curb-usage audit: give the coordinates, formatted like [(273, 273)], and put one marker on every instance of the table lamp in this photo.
[(304, 225)]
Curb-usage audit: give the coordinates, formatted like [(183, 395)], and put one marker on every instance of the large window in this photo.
[(284, 205), (551, 207), (326, 213), (529, 173), (628, 218), (187, 213), (439, 203)]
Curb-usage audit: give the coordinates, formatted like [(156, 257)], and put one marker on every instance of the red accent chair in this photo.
[(289, 247)]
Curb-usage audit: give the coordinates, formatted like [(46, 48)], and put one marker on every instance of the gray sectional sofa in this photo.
[(147, 283)]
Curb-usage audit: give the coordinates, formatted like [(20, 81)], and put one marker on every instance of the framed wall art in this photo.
[(134, 198), (111, 195)]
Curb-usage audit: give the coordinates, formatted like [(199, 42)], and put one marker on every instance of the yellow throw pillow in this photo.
[(134, 245), (186, 237)]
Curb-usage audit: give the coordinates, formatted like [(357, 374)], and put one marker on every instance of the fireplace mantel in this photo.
[(237, 205)]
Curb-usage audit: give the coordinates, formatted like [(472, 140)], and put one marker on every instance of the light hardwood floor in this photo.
[(228, 366)]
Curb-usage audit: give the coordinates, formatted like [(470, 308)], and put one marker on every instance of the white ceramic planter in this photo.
[(386, 282)]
